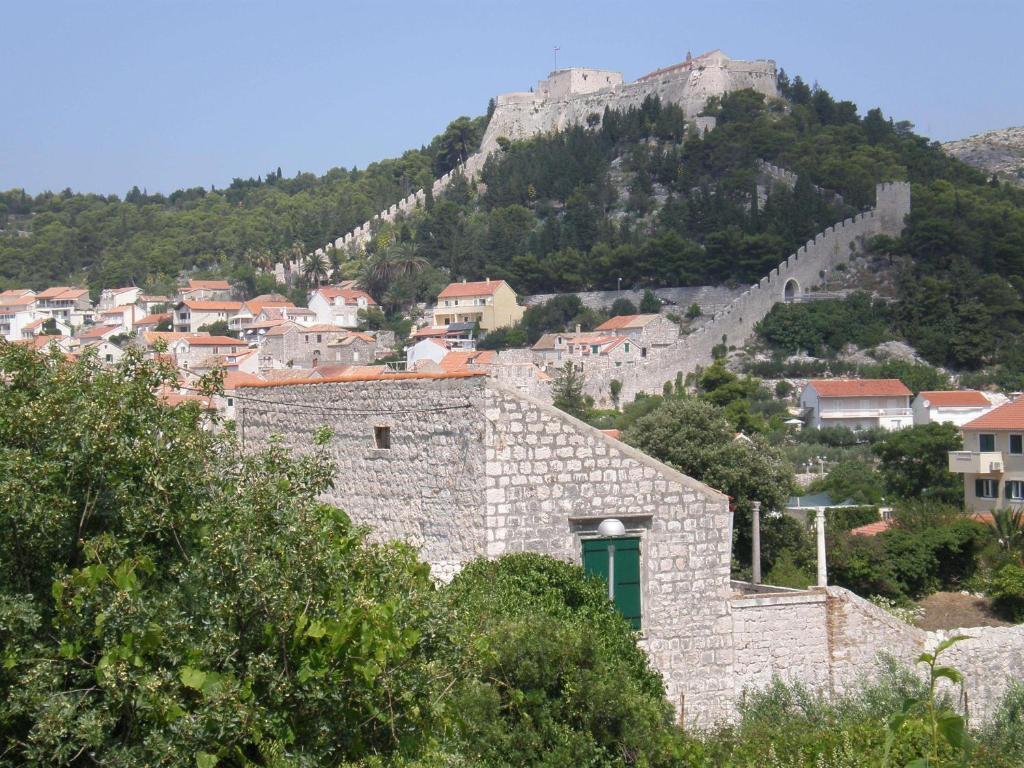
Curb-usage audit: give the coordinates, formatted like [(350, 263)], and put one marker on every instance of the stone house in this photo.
[(956, 407), (192, 351), (354, 348), (340, 304), (461, 466), (491, 303), (589, 350), (645, 331), (191, 314), (857, 404), (992, 461), (464, 468), (292, 345)]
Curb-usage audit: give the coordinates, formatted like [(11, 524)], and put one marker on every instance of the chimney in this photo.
[(463, 280), (578, 329), (487, 280)]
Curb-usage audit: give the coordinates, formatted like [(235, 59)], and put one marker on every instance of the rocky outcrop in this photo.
[(999, 152)]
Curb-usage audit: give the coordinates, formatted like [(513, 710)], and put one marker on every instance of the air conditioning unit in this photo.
[(995, 466)]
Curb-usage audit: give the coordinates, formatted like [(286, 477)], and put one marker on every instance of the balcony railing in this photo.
[(976, 462), (860, 413)]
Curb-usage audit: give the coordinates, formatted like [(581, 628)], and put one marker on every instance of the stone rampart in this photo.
[(808, 267), (710, 298), (568, 98)]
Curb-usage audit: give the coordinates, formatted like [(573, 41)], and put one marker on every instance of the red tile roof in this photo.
[(210, 285), (626, 321), (964, 398), (860, 388), (212, 306), (481, 288), (153, 319), (873, 529), (235, 379), (212, 341), (97, 331), (62, 292), (463, 360), (616, 433), (1007, 416)]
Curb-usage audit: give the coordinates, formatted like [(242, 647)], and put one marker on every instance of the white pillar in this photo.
[(755, 538), (822, 568)]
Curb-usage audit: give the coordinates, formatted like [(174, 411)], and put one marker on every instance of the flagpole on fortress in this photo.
[(557, 49)]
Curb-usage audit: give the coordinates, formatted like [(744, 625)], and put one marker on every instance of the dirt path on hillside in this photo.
[(950, 610)]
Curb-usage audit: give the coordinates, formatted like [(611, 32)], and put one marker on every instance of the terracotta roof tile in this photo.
[(210, 285), (481, 288), (213, 306), (966, 398), (626, 321), (859, 388), (213, 341), (1007, 416)]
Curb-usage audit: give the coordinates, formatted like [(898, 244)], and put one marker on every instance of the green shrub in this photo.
[(1006, 588)]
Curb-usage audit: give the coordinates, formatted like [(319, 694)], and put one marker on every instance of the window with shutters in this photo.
[(1015, 490), (986, 443), (986, 489), (1017, 444), (617, 563)]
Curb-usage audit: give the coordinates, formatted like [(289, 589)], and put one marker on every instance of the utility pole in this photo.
[(755, 538)]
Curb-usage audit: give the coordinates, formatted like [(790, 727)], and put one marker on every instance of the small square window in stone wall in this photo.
[(382, 437)]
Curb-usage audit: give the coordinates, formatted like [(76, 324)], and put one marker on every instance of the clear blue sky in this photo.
[(99, 96)]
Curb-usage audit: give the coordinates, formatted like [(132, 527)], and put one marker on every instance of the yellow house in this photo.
[(492, 303), (992, 461)]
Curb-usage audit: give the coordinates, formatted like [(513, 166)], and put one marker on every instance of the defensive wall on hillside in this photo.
[(803, 270), (569, 97), (710, 298)]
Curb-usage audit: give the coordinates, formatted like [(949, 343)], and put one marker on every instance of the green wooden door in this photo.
[(622, 558)]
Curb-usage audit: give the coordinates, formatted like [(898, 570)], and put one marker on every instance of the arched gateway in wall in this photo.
[(791, 290)]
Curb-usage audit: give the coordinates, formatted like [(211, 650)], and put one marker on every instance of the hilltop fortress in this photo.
[(571, 97)]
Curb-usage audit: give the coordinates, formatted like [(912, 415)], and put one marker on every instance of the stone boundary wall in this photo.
[(991, 660), (858, 632), (735, 324), (780, 634)]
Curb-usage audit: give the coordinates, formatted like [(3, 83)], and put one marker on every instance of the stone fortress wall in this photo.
[(734, 324), (569, 97)]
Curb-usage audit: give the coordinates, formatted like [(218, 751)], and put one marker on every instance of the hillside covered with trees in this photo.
[(631, 196)]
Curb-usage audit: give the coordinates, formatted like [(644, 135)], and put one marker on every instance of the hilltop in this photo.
[(998, 152)]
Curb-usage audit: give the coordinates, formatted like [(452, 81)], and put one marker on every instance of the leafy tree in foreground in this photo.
[(547, 673), (914, 463), (167, 601)]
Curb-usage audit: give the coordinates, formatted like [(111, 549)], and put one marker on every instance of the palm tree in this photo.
[(1009, 525), (315, 269), (390, 265)]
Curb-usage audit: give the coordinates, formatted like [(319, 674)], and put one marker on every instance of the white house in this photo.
[(118, 297), (427, 350), (857, 404), (191, 315), (957, 407), (71, 305), (17, 309), (339, 305), (992, 461), (251, 309), (206, 290)]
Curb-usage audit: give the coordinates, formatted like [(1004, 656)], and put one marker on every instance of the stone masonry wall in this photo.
[(784, 635), (858, 632), (550, 481), (989, 661), (426, 489), (733, 325)]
